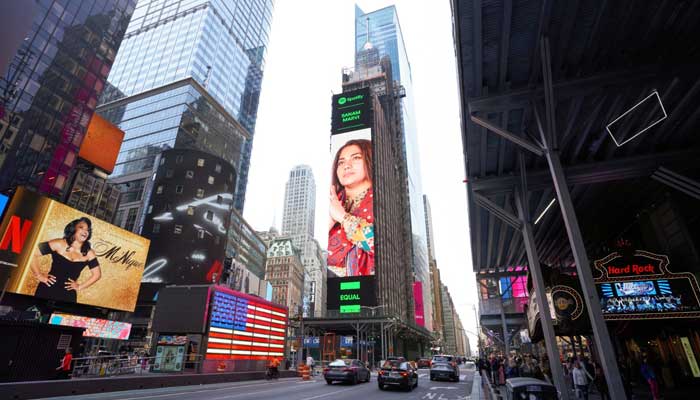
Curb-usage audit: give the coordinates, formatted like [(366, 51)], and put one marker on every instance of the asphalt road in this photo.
[(296, 389)]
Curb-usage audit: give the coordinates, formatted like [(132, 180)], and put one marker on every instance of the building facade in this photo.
[(449, 345), (285, 272), (382, 30), (245, 246), (219, 44), (51, 87), (298, 222)]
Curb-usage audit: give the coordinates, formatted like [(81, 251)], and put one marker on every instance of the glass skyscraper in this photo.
[(188, 74), (51, 88), (385, 35)]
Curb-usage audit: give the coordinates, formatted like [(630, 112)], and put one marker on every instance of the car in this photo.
[(346, 370), (423, 363), (530, 388), (396, 373), (444, 367)]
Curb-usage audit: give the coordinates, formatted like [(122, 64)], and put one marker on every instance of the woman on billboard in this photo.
[(351, 231), (69, 256)]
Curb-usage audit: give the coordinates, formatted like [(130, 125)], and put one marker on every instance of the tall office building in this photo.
[(49, 91), (298, 223), (429, 232), (381, 29), (188, 75), (450, 327)]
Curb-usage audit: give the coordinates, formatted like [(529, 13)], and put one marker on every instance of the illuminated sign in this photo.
[(658, 294), (94, 327), (350, 294), (691, 357), (418, 303), (102, 143), (3, 203), (351, 111), (107, 274), (244, 328)]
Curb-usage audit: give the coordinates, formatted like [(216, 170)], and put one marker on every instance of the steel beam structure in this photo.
[(522, 142), (597, 172), (550, 341), (677, 181)]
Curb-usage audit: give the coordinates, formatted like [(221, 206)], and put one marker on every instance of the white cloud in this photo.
[(311, 41)]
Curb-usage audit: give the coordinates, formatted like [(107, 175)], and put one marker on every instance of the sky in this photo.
[(310, 43)]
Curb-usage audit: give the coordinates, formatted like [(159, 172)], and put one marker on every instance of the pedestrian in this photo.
[(64, 368), (650, 376), (310, 364), (580, 379), (501, 372), (600, 382)]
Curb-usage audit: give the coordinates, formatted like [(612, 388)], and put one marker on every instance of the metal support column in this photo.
[(601, 336), (504, 326), (550, 341), (583, 266)]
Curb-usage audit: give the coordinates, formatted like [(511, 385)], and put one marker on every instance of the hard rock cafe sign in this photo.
[(640, 286)]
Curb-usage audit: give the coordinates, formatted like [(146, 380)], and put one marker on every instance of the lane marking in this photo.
[(443, 387), (327, 394), (191, 391)]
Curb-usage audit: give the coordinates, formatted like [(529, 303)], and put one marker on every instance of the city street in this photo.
[(296, 389)]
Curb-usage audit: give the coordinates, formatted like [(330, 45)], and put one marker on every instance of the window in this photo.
[(169, 173), (217, 168), (219, 200), (210, 180), (200, 233), (162, 161), (150, 209), (156, 228), (200, 193), (209, 215), (178, 189), (178, 159), (178, 229), (159, 189), (189, 174), (190, 210), (131, 219), (200, 162)]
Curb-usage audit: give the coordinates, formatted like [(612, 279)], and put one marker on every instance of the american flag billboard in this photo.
[(244, 328)]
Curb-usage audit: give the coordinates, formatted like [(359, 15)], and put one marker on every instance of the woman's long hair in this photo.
[(69, 233), (366, 150)]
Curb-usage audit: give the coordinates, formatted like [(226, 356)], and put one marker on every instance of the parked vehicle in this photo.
[(444, 367), (346, 370), (398, 374), (530, 388)]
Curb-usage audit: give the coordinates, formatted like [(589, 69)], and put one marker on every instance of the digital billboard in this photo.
[(351, 111), (351, 226), (101, 144), (348, 295), (640, 286), (242, 327), (62, 254), (188, 217), (418, 303), (94, 327)]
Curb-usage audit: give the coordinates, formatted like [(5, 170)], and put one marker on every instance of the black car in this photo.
[(398, 373), (444, 367), (346, 370)]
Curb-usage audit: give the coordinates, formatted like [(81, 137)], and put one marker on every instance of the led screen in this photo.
[(243, 328), (64, 255), (666, 296), (351, 225), (94, 327)]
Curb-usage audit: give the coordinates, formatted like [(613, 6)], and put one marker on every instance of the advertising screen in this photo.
[(349, 295), (102, 143), (3, 203), (62, 254), (351, 226), (351, 111), (418, 302), (657, 296), (94, 327), (244, 328)]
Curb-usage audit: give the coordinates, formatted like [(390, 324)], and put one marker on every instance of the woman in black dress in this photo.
[(69, 256)]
